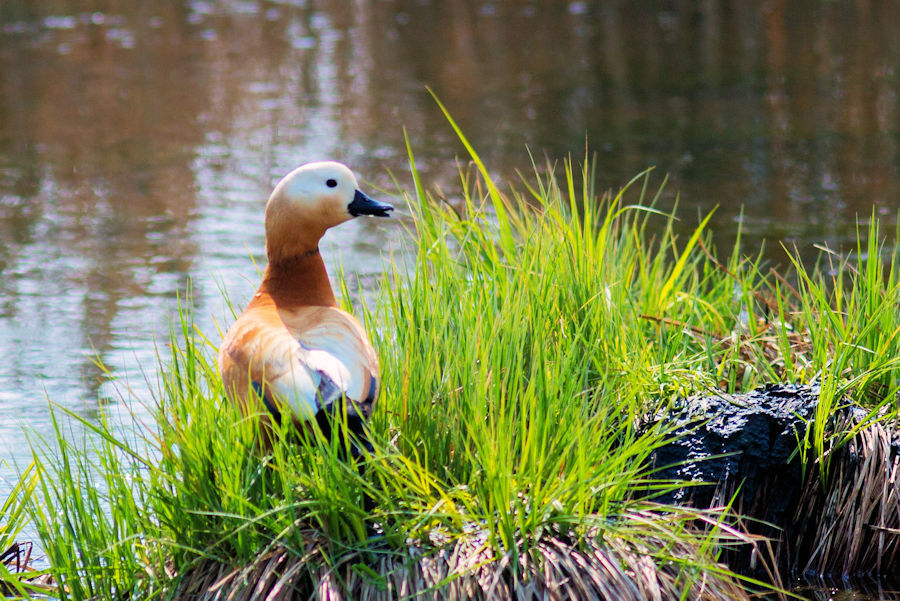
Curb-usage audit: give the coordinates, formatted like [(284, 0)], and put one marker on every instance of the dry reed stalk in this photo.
[(17, 557), (18, 562)]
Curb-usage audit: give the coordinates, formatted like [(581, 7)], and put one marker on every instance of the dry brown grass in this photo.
[(608, 566), (849, 524)]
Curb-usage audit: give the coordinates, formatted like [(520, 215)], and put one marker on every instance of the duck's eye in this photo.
[(332, 183)]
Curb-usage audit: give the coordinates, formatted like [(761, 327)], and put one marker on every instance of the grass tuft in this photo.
[(520, 349)]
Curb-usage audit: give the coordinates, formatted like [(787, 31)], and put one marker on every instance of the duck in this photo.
[(293, 353)]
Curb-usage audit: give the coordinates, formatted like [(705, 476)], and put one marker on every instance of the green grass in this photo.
[(520, 348)]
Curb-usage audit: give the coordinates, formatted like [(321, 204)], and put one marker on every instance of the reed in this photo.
[(520, 348)]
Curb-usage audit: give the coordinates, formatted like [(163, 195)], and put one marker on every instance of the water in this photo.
[(139, 141)]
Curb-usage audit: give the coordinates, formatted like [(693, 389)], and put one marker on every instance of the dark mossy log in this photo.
[(841, 521)]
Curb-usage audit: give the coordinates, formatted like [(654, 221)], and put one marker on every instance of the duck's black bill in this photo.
[(365, 205)]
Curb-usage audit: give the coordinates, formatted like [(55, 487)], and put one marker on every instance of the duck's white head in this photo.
[(308, 201)]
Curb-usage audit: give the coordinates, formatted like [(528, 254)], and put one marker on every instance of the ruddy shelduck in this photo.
[(293, 352)]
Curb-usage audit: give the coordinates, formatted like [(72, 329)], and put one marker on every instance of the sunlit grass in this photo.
[(520, 350)]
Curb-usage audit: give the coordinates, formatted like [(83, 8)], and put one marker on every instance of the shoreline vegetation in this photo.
[(535, 326)]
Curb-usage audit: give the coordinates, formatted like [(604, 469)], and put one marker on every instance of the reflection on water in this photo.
[(138, 141), (862, 590)]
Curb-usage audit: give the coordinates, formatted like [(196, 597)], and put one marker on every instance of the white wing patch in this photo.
[(336, 353), (315, 379), (297, 389)]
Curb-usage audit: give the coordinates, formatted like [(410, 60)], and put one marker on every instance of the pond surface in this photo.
[(139, 142)]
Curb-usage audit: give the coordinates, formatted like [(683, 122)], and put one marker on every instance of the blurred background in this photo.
[(139, 142)]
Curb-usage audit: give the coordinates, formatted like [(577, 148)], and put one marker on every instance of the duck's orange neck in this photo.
[(298, 280)]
